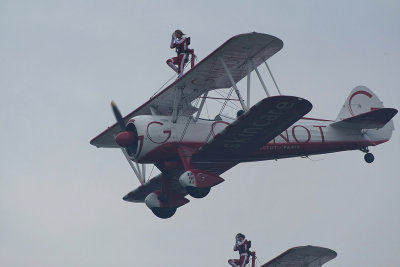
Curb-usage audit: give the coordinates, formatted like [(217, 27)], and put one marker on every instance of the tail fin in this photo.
[(364, 110), (360, 100)]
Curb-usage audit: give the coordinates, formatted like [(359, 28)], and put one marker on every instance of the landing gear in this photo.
[(197, 192), (163, 213), (368, 157)]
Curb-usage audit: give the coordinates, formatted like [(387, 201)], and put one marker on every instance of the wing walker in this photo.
[(304, 256)]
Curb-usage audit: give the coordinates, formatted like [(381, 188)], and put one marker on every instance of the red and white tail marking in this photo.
[(360, 100)]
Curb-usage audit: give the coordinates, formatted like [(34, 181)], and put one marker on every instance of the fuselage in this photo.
[(159, 138)]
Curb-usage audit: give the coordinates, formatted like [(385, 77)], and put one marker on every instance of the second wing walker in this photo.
[(192, 153)]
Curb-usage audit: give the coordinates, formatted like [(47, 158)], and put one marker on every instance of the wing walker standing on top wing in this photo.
[(181, 44), (191, 153), (242, 245), (303, 256)]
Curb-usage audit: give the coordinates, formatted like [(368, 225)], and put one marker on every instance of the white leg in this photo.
[(173, 67)]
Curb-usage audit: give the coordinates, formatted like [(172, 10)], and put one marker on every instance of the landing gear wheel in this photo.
[(198, 192), (164, 213), (369, 157)]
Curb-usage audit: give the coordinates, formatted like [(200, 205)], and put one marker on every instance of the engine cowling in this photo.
[(164, 205), (151, 132), (198, 183)]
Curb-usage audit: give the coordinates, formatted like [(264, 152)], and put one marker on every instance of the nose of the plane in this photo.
[(125, 139)]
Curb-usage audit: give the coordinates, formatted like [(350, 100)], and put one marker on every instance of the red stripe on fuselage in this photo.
[(269, 151)]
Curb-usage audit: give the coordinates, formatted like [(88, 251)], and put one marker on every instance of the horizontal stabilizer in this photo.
[(369, 120), (307, 256), (254, 129)]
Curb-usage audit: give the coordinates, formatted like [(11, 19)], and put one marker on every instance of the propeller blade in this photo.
[(118, 116)]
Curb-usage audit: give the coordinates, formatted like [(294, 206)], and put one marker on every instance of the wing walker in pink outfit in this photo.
[(181, 43)]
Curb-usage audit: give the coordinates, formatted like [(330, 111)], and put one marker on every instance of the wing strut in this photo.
[(248, 84), (233, 83), (201, 106), (178, 93), (139, 174), (261, 80), (272, 76)]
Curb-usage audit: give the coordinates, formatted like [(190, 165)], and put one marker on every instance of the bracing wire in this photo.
[(190, 119), (150, 173), (226, 101), (258, 261), (173, 76), (234, 108)]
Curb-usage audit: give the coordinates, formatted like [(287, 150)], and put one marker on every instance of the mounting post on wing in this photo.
[(178, 92), (261, 80), (139, 175), (233, 83), (201, 106), (272, 76)]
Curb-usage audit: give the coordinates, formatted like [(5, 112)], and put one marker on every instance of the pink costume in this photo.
[(182, 50)]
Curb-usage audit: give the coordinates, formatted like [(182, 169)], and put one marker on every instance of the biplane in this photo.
[(192, 152)]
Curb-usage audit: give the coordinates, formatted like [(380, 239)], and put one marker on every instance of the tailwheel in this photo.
[(198, 192), (369, 157)]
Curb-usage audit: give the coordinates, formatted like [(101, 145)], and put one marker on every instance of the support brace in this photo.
[(248, 85), (178, 93), (272, 76), (233, 83), (261, 80), (136, 171), (201, 106)]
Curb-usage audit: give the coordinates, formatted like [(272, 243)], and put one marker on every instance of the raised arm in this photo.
[(172, 45)]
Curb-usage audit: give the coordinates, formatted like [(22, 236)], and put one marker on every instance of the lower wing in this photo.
[(252, 130)]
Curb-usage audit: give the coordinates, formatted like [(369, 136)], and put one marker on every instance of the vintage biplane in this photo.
[(191, 152)]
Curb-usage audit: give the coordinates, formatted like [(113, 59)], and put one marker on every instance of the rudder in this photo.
[(360, 100)]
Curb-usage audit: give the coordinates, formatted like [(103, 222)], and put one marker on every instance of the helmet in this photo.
[(240, 235), (178, 32)]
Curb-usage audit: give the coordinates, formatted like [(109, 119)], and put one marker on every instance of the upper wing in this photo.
[(242, 53), (374, 119), (306, 256), (255, 128)]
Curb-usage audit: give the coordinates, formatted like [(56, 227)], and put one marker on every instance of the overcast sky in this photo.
[(62, 62)]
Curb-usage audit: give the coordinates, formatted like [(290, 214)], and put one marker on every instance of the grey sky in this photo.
[(62, 62)]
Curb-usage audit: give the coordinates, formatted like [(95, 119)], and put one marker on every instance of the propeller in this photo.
[(125, 138), (118, 116)]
